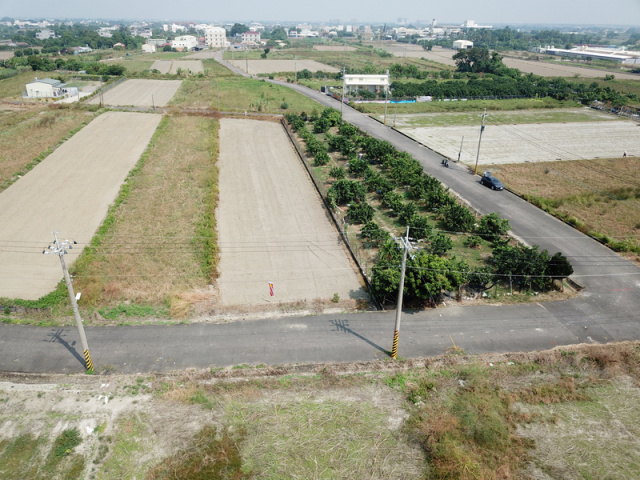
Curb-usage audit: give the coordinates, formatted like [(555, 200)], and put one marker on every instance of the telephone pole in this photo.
[(386, 99), (484, 115), (342, 103), (406, 246), (60, 249)]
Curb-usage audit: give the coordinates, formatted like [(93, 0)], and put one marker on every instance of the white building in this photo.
[(148, 48), (251, 37), (46, 88), (462, 44), (216, 37), (45, 34), (473, 24), (373, 83), (184, 43)]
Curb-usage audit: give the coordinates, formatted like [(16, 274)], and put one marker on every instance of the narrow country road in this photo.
[(607, 309)]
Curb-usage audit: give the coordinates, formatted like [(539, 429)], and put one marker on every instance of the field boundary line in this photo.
[(333, 218)]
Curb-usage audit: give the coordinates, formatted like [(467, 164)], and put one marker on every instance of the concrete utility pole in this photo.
[(60, 249), (396, 330), (218, 94), (295, 67), (246, 59), (460, 152), (342, 103), (386, 100), (484, 115)]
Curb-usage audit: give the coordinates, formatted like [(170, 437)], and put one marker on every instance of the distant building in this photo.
[(472, 24), (157, 42), (215, 37), (251, 37), (372, 83), (462, 44), (148, 48), (45, 34), (184, 43)]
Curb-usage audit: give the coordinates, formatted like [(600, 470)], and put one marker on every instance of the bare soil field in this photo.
[(140, 93), (5, 55), (547, 142), (172, 66), (69, 192), (203, 55), (273, 66), (272, 227), (544, 69), (332, 48)]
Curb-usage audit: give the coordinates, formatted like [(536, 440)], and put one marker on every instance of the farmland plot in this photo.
[(272, 227), (334, 48), (547, 142), (140, 93), (172, 66), (273, 66), (69, 192)]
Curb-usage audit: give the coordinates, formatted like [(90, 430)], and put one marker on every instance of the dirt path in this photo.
[(271, 224), (70, 191), (140, 93), (172, 66)]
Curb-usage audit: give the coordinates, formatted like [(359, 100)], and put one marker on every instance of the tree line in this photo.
[(376, 170)]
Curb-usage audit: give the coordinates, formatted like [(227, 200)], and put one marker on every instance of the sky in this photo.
[(484, 12)]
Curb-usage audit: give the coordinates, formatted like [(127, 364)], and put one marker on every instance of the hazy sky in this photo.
[(619, 12)]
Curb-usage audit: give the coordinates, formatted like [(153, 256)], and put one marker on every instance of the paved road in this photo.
[(608, 309)]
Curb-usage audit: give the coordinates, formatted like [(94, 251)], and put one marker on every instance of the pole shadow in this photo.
[(56, 337), (343, 326)]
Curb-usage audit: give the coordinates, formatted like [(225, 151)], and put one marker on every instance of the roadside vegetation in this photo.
[(600, 197), (514, 415)]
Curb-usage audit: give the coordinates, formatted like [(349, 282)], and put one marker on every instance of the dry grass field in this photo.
[(70, 192), (140, 93), (567, 413), (257, 67), (603, 194), (276, 230), (28, 135), (157, 245)]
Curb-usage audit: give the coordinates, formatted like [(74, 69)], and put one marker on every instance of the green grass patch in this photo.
[(127, 457), (212, 455)]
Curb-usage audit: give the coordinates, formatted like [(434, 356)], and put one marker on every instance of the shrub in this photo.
[(440, 244), (321, 125), (457, 218), (337, 173), (345, 191), (374, 236), (321, 158), (284, 105), (492, 225), (360, 213), (419, 227)]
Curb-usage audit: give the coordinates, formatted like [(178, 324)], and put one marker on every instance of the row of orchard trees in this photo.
[(376, 170)]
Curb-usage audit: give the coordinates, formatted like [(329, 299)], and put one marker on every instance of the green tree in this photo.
[(373, 235), (238, 28), (345, 191), (457, 218), (440, 244), (360, 213), (492, 225)]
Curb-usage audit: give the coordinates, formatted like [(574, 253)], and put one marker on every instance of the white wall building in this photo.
[(45, 34), (148, 48), (48, 88), (462, 44), (185, 43), (373, 83), (251, 37), (216, 37)]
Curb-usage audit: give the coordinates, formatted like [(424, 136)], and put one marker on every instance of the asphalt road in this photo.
[(608, 309)]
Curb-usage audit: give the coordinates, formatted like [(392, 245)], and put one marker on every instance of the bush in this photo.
[(492, 225), (284, 105), (360, 213), (374, 236), (321, 158), (345, 191), (321, 125), (337, 173), (440, 244), (419, 227), (457, 218)]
